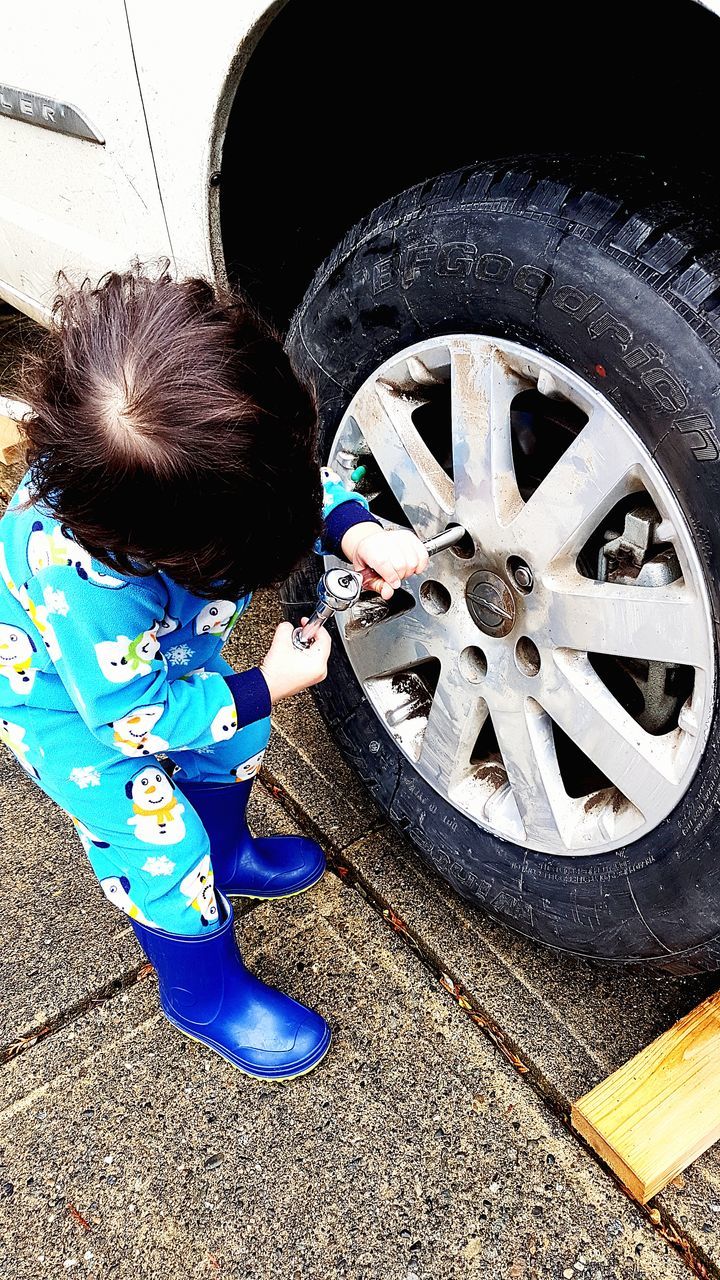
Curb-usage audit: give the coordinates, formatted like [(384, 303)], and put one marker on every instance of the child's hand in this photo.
[(384, 556), (287, 670)]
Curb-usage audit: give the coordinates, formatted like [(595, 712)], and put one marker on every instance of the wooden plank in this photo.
[(11, 440), (12, 444), (660, 1111)]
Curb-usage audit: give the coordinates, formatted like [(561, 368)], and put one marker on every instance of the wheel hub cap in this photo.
[(491, 603)]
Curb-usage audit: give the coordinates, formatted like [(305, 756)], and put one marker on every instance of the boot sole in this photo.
[(257, 1075), (273, 897)]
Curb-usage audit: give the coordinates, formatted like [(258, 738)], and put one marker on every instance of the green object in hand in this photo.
[(357, 475)]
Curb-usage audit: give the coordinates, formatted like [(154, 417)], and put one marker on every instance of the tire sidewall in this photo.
[(605, 316)]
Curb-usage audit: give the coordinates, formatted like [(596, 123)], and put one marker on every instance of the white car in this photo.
[(527, 346)]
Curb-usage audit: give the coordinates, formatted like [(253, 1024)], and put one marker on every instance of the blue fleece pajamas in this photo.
[(104, 680)]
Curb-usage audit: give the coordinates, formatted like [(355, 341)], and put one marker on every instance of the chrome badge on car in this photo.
[(48, 113)]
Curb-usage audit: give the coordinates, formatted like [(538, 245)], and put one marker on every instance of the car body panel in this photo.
[(159, 101), (188, 71), (67, 204)]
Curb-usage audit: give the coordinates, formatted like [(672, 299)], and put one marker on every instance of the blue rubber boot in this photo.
[(206, 991), (266, 867)]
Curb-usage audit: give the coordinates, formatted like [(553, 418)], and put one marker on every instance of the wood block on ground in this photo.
[(11, 440), (655, 1115)]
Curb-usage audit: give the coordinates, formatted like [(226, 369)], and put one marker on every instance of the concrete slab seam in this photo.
[(115, 987), (294, 809)]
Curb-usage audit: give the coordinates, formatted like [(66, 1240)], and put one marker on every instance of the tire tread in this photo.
[(659, 235)]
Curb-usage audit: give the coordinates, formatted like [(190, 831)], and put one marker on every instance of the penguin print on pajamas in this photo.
[(334, 490), (224, 723), (248, 769), (12, 735), (117, 891), (122, 659), (87, 839), (51, 547), (217, 618), (133, 733), (251, 743), (16, 657), (156, 812), (167, 625), (199, 889)]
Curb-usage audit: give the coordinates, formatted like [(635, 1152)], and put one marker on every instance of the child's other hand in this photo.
[(384, 556), (287, 670)]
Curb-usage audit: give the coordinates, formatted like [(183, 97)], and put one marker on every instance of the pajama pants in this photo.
[(145, 842)]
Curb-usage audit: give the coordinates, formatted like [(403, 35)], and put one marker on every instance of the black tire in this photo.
[(588, 270)]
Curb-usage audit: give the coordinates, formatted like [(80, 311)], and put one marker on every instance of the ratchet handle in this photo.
[(303, 637), (338, 589), (449, 538)]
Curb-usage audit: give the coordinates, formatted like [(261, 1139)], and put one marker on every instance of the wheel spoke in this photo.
[(482, 390), (639, 764), (421, 486), (456, 718), (400, 641), (526, 744), (599, 467), (655, 624)]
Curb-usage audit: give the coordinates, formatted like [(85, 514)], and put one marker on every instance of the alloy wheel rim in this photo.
[(531, 726)]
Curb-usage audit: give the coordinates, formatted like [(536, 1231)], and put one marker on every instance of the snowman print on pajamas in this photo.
[(12, 735), (122, 659), (117, 891), (133, 733), (198, 887), (156, 811), (38, 613), (216, 618), (46, 548), (16, 655)]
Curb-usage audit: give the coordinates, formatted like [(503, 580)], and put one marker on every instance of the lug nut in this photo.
[(523, 578), (346, 460), (521, 573)]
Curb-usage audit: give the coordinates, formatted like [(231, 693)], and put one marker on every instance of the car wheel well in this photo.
[(332, 117)]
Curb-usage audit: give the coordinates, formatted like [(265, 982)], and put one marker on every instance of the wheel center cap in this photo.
[(491, 603)]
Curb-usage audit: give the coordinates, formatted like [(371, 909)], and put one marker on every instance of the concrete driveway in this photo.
[(432, 1142)]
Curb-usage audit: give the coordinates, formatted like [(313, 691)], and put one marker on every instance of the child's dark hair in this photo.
[(169, 431)]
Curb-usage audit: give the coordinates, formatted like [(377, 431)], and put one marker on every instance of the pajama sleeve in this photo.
[(103, 642), (342, 508)]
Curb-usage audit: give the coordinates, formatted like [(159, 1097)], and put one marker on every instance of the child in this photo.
[(172, 471)]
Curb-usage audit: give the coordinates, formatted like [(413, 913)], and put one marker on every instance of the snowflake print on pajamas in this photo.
[(85, 776), (56, 602), (179, 655), (162, 866)]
